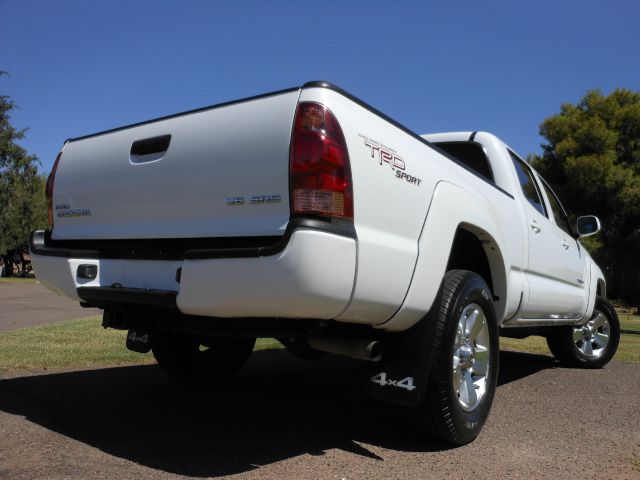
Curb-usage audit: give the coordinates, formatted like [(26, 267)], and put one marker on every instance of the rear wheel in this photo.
[(591, 345), (464, 368), (188, 357)]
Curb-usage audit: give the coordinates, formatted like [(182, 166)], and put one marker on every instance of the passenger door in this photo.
[(572, 270), (554, 288)]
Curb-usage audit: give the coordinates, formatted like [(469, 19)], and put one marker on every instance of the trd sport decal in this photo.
[(388, 155)]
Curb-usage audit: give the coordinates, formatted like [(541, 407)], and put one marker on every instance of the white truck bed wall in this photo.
[(390, 213)]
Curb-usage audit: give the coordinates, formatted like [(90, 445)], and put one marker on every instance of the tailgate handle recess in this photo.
[(148, 146)]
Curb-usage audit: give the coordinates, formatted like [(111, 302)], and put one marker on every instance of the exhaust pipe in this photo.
[(369, 350)]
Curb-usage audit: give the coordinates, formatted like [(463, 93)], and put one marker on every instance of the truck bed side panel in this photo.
[(389, 208)]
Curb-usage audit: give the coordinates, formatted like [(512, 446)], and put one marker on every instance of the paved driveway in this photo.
[(286, 418), (25, 304)]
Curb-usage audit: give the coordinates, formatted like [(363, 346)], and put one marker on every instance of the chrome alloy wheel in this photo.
[(471, 354), (593, 337)]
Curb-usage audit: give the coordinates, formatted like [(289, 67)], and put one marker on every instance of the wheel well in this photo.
[(601, 290), (468, 253)]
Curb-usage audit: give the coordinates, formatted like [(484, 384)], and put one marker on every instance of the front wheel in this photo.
[(464, 369), (591, 345)]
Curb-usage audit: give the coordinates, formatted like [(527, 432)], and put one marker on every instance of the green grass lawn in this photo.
[(73, 344), (628, 350), (84, 343), (17, 280), (629, 322)]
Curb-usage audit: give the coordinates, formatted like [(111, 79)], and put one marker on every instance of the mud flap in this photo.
[(403, 373), (139, 341)]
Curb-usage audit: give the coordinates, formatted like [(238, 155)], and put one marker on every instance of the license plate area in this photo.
[(161, 275)]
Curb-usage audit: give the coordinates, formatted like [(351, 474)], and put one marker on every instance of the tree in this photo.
[(592, 159), (22, 202)]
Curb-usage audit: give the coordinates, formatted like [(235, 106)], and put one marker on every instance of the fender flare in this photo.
[(597, 280), (452, 207), (410, 353)]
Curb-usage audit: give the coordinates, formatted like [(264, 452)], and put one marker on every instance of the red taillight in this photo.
[(319, 164), (49, 191)]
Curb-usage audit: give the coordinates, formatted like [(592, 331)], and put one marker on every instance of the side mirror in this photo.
[(588, 225)]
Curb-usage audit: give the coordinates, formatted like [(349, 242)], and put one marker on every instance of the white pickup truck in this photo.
[(308, 216)]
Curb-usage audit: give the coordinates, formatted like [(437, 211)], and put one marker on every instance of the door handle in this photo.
[(536, 229), (149, 149), (151, 145), (565, 245)]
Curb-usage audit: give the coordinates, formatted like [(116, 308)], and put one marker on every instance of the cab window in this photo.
[(558, 212), (528, 184), (471, 154)]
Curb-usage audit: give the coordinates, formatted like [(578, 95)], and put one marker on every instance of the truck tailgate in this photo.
[(223, 172)]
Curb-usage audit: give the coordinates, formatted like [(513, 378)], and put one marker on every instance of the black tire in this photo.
[(563, 346), (440, 415), (187, 357)]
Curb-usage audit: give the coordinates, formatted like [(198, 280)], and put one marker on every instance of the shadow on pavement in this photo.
[(278, 408), (517, 365)]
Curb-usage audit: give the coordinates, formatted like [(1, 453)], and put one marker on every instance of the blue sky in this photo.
[(82, 66)]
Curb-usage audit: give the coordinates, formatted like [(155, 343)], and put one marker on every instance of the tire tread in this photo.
[(434, 416)]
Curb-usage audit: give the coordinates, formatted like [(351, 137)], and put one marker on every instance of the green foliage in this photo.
[(22, 203), (592, 159)]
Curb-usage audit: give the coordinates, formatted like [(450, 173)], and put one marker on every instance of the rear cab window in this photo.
[(470, 154)]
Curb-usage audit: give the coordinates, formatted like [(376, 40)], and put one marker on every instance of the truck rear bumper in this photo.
[(310, 275)]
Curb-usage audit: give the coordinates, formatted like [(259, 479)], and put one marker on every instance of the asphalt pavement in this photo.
[(27, 303), (287, 418)]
